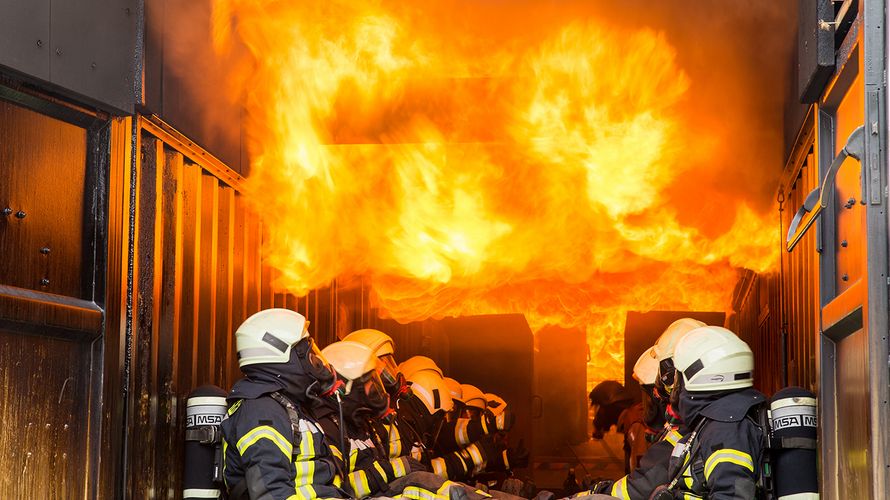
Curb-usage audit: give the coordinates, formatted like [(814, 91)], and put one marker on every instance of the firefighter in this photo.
[(457, 396), (349, 424), (652, 469), (383, 347), (272, 448), (609, 400), (720, 456)]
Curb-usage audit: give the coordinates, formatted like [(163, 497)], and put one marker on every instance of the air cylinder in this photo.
[(202, 458), (793, 424)]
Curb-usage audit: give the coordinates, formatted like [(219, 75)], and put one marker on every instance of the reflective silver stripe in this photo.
[(251, 352), (207, 400), (792, 402), (199, 493), (801, 496)]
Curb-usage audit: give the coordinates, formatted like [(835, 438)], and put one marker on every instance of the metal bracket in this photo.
[(819, 198)]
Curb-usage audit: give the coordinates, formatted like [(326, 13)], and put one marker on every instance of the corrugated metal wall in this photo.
[(198, 273), (778, 313)]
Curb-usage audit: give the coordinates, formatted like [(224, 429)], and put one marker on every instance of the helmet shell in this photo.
[(712, 358), (350, 359), (267, 336), (473, 397), (457, 394), (430, 389), (415, 364), (495, 403), (664, 346), (646, 367), (378, 341)]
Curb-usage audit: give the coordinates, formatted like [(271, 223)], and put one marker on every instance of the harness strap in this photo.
[(294, 416)]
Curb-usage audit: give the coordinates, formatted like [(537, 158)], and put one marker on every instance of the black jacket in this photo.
[(724, 459)]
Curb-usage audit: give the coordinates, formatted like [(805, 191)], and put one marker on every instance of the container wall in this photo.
[(52, 202)]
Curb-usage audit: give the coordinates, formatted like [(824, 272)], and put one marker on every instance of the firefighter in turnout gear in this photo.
[(358, 449), (272, 449), (719, 458), (652, 467)]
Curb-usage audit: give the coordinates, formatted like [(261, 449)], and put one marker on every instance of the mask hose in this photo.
[(342, 432)]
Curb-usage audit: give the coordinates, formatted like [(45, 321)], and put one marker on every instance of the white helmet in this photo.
[(267, 336), (646, 368), (416, 364), (712, 358), (431, 390), (664, 346)]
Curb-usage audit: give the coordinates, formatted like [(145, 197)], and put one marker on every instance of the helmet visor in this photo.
[(373, 390), (389, 371)]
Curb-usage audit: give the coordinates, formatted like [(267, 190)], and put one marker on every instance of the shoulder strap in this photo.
[(692, 447), (293, 415)]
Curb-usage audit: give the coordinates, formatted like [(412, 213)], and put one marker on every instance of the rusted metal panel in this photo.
[(45, 408), (42, 219), (52, 296)]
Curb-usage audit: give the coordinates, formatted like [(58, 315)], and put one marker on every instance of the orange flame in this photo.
[(469, 170)]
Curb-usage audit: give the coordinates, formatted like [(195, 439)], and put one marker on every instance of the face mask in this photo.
[(316, 367)]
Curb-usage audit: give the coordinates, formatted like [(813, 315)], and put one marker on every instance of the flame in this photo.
[(462, 169)]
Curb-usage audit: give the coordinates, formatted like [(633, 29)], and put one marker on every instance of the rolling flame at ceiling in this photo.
[(462, 168)]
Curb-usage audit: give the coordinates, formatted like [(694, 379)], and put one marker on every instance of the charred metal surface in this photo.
[(51, 296), (197, 275), (44, 390), (48, 208)]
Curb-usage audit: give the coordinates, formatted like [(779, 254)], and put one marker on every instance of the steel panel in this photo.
[(25, 36), (852, 427), (93, 50)]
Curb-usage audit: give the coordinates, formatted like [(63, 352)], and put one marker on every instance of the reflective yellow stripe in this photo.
[(264, 432), (353, 456), (460, 432), (336, 452), (305, 472), (417, 493), (501, 421), (439, 467), (480, 492), (306, 493), (307, 442), (381, 472), (619, 489), (506, 460), (474, 452), (359, 482), (673, 437), (728, 455), (690, 496), (687, 480), (395, 442), (232, 409), (398, 467), (484, 425), (417, 454)]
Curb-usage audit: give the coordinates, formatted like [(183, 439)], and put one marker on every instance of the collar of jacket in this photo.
[(721, 406)]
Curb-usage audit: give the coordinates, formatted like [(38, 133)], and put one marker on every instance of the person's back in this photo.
[(272, 449)]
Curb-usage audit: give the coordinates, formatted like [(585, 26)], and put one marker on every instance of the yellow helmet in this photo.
[(454, 387), (473, 397), (415, 364), (664, 346), (350, 360), (378, 341), (430, 389), (495, 403)]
